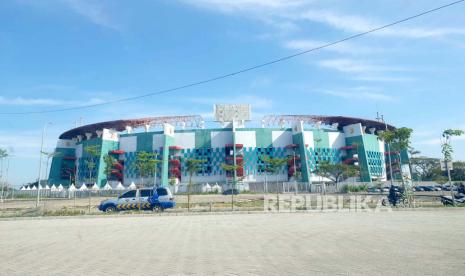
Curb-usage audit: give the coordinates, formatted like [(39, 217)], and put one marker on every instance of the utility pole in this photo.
[(380, 118), (49, 155), (234, 164), (1, 176), (40, 162), (450, 181)]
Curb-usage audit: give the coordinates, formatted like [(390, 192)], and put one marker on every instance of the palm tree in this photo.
[(192, 166)]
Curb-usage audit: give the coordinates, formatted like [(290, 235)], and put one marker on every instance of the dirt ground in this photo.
[(202, 203)]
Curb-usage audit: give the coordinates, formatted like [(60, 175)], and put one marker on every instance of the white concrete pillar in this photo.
[(79, 138), (99, 133), (88, 135), (128, 129), (147, 127)]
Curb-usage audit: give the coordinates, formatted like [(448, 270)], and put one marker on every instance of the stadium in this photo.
[(305, 140)]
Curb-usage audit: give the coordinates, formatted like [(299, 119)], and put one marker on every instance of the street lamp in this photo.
[(381, 119), (40, 163)]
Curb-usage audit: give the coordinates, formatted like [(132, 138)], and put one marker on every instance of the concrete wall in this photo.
[(128, 143), (336, 140), (281, 138), (185, 140), (220, 138), (247, 138)]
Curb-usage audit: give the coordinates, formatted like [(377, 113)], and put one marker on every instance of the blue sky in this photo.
[(57, 54)]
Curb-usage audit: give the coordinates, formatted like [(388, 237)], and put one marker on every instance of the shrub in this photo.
[(354, 188)]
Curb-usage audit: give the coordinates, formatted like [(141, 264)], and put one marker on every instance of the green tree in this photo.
[(192, 166), (3, 154), (172, 183), (425, 168), (458, 172), (275, 165), (146, 164), (93, 151), (447, 150), (399, 140), (336, 172), (109, 162), (232, 169)]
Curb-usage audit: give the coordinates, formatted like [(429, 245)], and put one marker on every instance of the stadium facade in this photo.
[(305, 139)]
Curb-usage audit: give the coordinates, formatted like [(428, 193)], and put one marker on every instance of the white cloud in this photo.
[(358, 24), (269, 12), (342, 48), (293, 13), (255, 101), (363, 70), (29, 101), (356, 66), (383, 78), (25, 144), (349, 23), (93, 11), (245, 5), (438, 141), (360, 95), (20, 101)]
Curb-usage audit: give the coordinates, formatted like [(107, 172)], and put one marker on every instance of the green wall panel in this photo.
[(362, 156), (263, 137), (58, 163), (168, 141), (106, 147), (298, 139), (320, 138), (145, 141), (203, 138)]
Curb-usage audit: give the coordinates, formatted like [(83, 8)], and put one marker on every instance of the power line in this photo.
[(241, 71)]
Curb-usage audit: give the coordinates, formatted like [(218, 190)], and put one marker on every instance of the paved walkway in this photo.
[(397, 243)]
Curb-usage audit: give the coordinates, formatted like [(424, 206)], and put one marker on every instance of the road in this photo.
[(386, 243)]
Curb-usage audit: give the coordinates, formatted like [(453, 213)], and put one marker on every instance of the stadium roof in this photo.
[(197, 121)]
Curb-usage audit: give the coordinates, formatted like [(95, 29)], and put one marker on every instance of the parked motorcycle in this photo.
[(458, 199)]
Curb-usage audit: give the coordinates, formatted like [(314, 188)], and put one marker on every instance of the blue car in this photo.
[(157, 199)]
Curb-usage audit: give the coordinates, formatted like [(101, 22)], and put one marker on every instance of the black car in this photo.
[(419, 188), (374, 190), (429, 188), (230, 191)]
